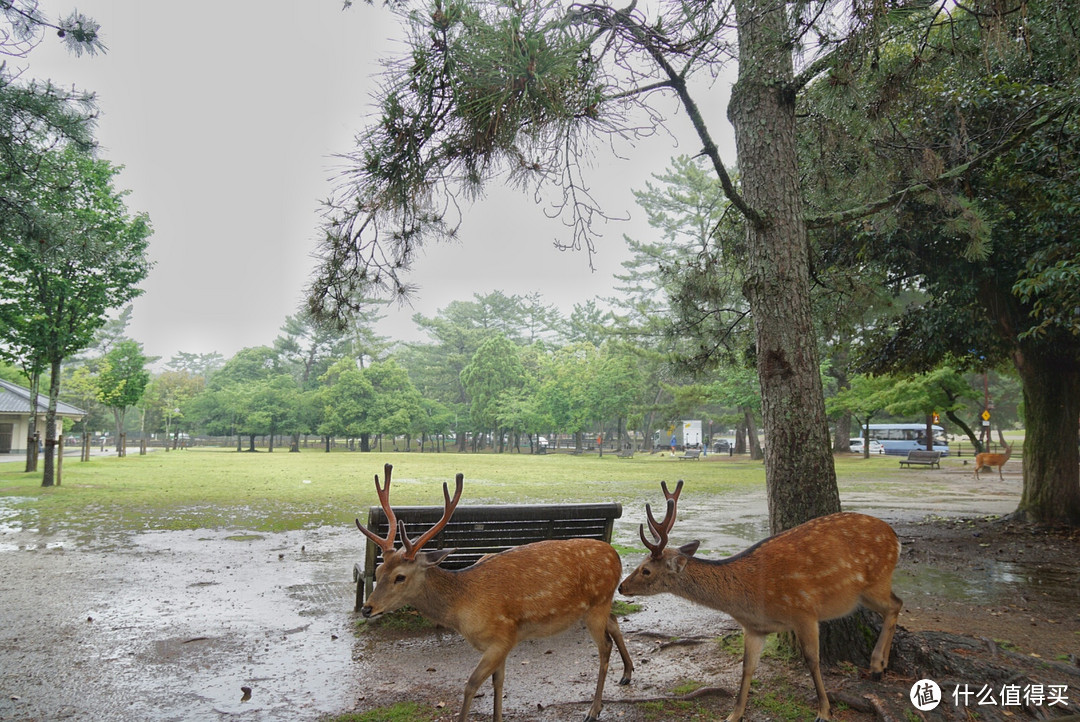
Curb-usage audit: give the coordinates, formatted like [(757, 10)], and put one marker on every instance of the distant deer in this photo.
[(820, 570), (534, 590), (987, 460)]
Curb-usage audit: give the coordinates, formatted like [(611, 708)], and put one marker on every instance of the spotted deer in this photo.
[(534, 590), (987, 460), (817, 571)]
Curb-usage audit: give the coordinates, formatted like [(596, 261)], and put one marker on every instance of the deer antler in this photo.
[(387, 544), (661, 530), (412, 547)]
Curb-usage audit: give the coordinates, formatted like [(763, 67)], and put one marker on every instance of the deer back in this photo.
[(818, 569)]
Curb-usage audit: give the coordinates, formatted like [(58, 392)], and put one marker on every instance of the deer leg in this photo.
[(497, 678), (494, 658), (616, 635), (806, 631), (888, 605), (597, 621), (753, 643)]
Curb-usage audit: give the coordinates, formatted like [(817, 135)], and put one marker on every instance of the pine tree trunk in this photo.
[(800, 478), (1051, 458)]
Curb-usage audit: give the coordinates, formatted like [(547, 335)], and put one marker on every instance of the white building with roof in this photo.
[(15, 416)]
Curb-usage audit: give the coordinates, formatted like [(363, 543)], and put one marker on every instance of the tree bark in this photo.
[(1051, 389), (800, 477), (753, 446), (48, 477), (31, 425)]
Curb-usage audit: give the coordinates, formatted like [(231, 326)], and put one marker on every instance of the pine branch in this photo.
[(868, 209)]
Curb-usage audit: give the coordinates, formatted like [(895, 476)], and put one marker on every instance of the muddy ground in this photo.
[(177, 625)]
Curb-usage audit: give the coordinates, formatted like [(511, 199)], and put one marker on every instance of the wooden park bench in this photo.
[(475, 531), (626, 454), (922, 458), (690, 454)]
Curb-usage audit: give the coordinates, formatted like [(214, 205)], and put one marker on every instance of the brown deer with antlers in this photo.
[(986, 460), (820, 570), (534, 590)]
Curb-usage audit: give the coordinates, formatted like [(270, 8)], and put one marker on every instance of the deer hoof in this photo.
[(624, 681)]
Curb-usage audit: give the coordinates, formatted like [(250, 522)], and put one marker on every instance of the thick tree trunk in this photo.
[(800, 477), (1051, 458)]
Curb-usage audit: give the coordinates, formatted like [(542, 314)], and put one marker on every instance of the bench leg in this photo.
[(358, 577)]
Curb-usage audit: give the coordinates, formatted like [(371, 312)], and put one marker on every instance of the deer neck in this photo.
[(720, 584), (440, 597)]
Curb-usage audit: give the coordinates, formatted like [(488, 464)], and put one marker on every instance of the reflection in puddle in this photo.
[(31, 546), (11, 517), (995, 580)]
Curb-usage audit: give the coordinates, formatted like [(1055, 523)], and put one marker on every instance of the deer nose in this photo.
[(365, 612)]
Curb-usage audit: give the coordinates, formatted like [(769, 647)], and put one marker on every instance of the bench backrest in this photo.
[(923, 454), (478, 530)]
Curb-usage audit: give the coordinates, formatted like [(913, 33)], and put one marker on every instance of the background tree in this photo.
[(35, 119), (197, 364), (121, 381), (494, 369), (1002, 112), (81, 256), (222, 408), (166, 400), (349, 397), (396, 408), (863, 398)]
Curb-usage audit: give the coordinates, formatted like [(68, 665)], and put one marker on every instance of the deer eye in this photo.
[(399, 579), (645, 572)]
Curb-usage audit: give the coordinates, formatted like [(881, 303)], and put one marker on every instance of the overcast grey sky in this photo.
[(227, 115)]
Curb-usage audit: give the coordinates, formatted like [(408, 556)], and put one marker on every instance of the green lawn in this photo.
[(221, 488)]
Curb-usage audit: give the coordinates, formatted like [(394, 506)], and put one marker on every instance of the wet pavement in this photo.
[(172, 626), (177, 625)]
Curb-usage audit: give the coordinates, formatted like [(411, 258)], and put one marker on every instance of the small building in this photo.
[(15, 416)]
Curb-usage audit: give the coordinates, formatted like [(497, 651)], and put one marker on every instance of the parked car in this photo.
[(722, 445), (875, 446)]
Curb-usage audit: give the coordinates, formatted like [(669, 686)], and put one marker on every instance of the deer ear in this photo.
[(689, 549), (433, 558)]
